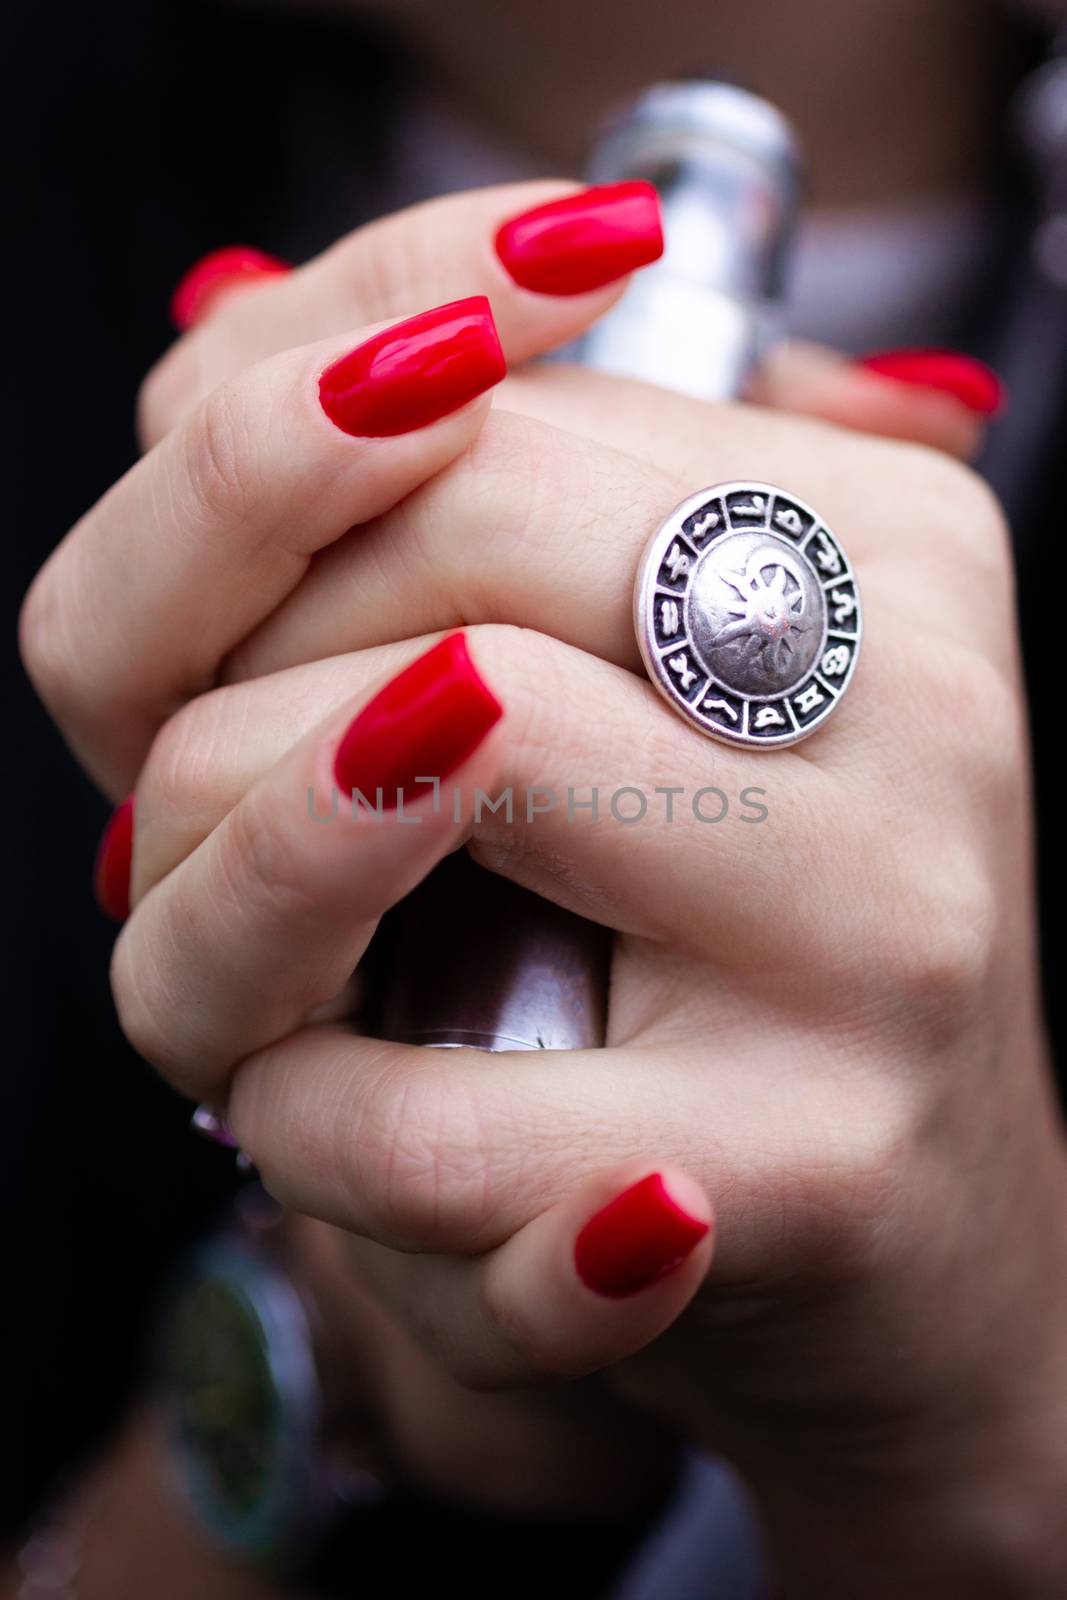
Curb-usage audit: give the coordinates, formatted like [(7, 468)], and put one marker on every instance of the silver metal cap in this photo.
[(727, 168)]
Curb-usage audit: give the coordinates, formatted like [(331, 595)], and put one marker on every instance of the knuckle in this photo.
[(974, 715), (547, 762), (944, 956), (221, 465), (528, 671), (960, 505), (535, 473), (367, 258), (411, 1148), (45, 644), (841, 1208), (60, 635), (194, 366), (262, 874), (146, 1005), (521, 454), (510, 467), (394, 261), (186, 785), (181, 761), (531, 670), (987, 716)]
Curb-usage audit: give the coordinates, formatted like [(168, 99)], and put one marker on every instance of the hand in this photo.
[(574, 1452), (833, 1075), (185, 555), (890, 990)]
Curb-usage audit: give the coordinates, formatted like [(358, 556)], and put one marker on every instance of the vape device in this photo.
[(521, 973), (726, 167)]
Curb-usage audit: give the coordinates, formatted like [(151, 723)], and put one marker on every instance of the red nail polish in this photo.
[(416, 371), (635, 1240), (222, 269), (111, 875), (585, 240), (971, 382), (424, 724)]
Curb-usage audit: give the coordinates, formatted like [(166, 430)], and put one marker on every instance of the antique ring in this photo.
[(747, 614)]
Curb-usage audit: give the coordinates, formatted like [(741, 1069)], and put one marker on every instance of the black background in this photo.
[(255, 128)]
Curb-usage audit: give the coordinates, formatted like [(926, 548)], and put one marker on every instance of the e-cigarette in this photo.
[(518, 972), (726, 166)]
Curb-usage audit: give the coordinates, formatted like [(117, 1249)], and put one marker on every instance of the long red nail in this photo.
[(111, 875), (971, 382), (222, 269), (585, 240), (635, 1240), (424, 724), (416, 371)]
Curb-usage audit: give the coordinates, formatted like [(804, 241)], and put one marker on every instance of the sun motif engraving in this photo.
[(750, 627), (769, 612)]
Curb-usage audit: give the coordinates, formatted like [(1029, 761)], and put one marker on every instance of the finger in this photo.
[(572, 1452), (539, 822), (265, 921), (454, 1152), (945, 403), (217, 274), (206, 535), (590, 1280), (551, 256), (541, 526), (599, 789)]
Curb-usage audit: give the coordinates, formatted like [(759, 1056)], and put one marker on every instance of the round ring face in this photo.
[(748, 615)]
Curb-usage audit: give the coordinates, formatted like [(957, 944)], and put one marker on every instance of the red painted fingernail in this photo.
[(416, 371), (637, 1239), (424, 724), (222, 269), (111, 875), (585, 240), (971, 382)]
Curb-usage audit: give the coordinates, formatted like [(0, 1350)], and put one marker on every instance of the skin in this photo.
[(838, 1052)]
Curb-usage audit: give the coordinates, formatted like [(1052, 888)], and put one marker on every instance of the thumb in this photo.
[(591, 1280)]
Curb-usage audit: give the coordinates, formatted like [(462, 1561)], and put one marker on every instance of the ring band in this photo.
[(747, 614)]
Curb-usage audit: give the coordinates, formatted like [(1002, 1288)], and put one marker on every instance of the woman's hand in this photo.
[(825, 1021), (575, 1452), (251, 464)]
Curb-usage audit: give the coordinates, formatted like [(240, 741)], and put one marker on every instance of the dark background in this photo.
[(142, 135)]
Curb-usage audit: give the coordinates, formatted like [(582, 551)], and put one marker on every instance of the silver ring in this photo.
[(747, 614)]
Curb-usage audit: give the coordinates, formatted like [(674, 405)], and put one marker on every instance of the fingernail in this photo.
[(415, 372), (637, 1239), (583, 241), (212, 1125), (111, 874), (424, 724), (221, 269), (971, 382)]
